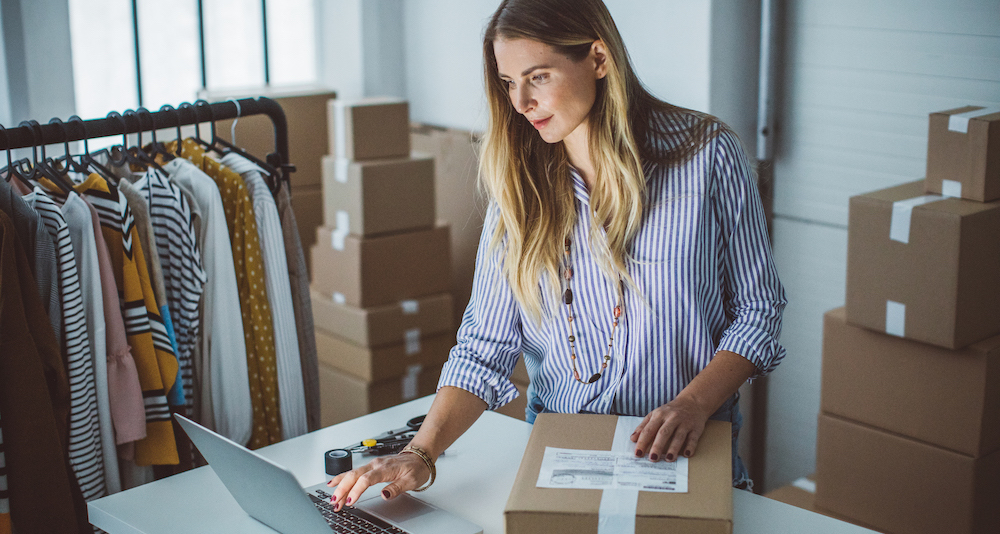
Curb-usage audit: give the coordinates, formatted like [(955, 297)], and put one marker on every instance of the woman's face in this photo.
[(553, 92)]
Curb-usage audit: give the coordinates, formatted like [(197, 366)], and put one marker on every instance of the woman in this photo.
[(624, 252)]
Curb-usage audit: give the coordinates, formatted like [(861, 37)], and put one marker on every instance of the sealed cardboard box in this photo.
[(307, 203), (369, 128), (802, 494), (378, 196), (901, 485), (391, 324), (963, 153), (372, 271), (520, 374), (924, 267), (706, 508), (381, 363), (344, 397), (948, 398)]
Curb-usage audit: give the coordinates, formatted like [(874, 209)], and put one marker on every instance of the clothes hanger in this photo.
[(135, 154), (155, 147), (169, 110), (274, 181), (198, 104), (12, 169), (47, 165), (87, 159), (40, 168), (67, 162)]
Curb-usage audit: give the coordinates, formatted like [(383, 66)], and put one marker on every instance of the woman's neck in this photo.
[(577, 146)]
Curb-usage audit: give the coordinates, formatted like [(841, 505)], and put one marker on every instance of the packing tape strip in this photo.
[(412, 337), (618, 506), (409, 307), (340, 130), (805, 484), (951, 188), (339, 298), (902, 211), (410, 382), (895, 318), (340, 233), (959, 122), (341, 168)]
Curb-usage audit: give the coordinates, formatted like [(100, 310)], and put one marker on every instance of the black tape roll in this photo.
[(338, 461)]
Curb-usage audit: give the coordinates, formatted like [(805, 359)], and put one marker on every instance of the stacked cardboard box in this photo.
[(909, 434), (380, 267)]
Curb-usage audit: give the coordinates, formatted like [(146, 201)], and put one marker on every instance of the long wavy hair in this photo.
[(529, 179)]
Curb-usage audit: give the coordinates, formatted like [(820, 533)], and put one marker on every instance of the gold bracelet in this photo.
[(422, 454)]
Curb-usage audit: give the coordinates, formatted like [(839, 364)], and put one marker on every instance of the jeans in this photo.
[(729, 411)]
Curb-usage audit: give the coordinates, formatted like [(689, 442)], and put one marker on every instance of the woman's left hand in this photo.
[(671, 430)]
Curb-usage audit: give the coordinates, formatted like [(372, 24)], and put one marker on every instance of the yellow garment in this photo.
[(157, 366), (257, 320)]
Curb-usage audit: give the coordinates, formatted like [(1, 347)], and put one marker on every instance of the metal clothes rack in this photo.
[(197, 113)]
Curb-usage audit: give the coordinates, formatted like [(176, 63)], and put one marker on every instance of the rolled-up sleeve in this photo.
[(754, 297), (489, 338)]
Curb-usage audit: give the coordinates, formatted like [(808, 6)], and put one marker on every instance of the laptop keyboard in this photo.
[(351, 520)]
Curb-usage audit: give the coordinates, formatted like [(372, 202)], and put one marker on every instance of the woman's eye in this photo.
[(538, 78)]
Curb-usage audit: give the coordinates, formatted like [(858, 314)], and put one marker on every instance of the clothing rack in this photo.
[(167, 117)]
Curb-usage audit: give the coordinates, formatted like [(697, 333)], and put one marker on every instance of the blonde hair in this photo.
[(529, 179)]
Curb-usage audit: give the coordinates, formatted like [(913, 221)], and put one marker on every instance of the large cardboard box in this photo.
[(369, 128), (378, 196), (373, 271), (307, 203), (901, 485), (963, 153), (344, 397), (924, 267), (948, 398), (802, 494), (391, 324), (706, 508), (381, 363)]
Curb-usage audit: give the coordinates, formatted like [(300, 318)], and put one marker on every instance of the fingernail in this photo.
[(653, 457), (385, 493), (670, 457), (687, 454), (638, 453), (348, 501), (334, 498)]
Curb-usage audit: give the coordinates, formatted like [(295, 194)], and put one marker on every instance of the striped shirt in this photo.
[(702, 261)]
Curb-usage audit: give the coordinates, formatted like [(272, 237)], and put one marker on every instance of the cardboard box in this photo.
[(516, 407), (963, 153), (344, 397), (943, 397), (373, 271), (520, 374), (924, 267), (378, 196), (369, 128), (307, 203), (382, 363), (802, 494), (902, 485), (392, 324), (706, 508)]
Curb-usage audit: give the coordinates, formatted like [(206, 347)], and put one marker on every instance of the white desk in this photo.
[(474, 479)]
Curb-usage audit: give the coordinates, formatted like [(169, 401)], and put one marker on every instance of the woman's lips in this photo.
[(539, 124)]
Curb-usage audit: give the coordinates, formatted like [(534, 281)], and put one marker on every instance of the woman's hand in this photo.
[(671, 430), (403, 472)]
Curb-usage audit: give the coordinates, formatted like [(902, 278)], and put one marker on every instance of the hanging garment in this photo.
[(34, 401), (299, 280), (154, 358), (256, 311), (222, 388), (84, 446), (291, 397)]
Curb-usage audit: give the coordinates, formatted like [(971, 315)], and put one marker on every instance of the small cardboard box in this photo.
[(382, 363), (369, 128), (372, 271), (344, 397), (924, 267), (391, 324), (898, 484), (378, 196), (948, 398), (707, 507), (963, 153)]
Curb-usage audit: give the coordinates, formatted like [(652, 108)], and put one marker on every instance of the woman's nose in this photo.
[(523, 102)]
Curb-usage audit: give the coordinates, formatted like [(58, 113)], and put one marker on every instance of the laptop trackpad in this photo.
[(416, 516)]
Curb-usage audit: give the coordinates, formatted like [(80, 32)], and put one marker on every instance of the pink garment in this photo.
[(128, 412)]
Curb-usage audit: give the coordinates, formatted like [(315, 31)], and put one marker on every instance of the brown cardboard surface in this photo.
[(379, 196), (383, 325), (344, 397), (377, 364), (516, 407), (949, 398), (902, 485), (377, 127), (946, 275), (972, 158), (520, 374), (806, 500), (706, 508), (373, 271), (307, 203)]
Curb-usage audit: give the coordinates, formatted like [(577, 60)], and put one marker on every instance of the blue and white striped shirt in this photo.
[(703, 261)]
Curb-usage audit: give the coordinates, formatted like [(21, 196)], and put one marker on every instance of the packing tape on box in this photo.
[(339, 298), (805, 484), (341, 168), (618, 506), (959, 122), (951, 188), (340, 232), (902, 212), (895, 318), (411, 381), (410, 307), (340, 130), (412, 337)]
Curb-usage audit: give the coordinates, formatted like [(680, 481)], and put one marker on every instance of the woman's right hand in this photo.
[(403, 472)]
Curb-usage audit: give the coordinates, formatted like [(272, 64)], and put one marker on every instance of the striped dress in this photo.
[(706, 282)]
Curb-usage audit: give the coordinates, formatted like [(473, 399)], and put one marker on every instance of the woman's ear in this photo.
[(599, 54)]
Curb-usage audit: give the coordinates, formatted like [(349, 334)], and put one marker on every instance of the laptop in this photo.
[(269, 493)]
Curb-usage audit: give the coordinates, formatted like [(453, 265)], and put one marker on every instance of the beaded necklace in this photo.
[(568, 301)]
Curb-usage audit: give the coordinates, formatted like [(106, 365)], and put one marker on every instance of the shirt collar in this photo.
[(579, 186)]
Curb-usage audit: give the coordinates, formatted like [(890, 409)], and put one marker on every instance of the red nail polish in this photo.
[(687, 454), (385, 493), (638, 453), (334, 498), (670, 457), (653, 457), (348, 501)]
